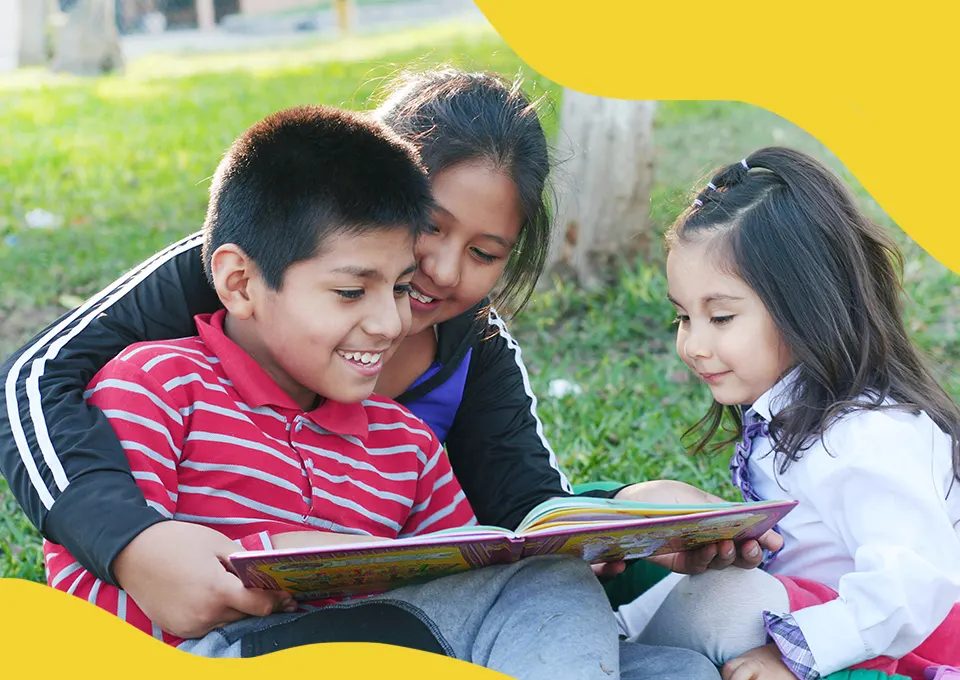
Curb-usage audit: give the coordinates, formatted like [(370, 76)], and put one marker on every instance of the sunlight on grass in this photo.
[(138, 76)]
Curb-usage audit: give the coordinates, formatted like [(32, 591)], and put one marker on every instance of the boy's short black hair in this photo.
[(307, 173)]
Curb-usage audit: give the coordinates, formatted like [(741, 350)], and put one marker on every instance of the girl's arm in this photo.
[(61, 458), (880, 486), (496, 445)]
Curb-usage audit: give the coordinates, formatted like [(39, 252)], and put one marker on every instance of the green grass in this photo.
[(124, 161)]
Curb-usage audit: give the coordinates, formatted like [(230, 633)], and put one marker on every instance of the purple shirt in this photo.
[(438, 407)]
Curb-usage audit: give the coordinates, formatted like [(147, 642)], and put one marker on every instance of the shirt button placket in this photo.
[(291, 438)]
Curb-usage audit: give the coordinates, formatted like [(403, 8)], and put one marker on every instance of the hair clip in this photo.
[(712, 186), (697, 202), (743, 162)]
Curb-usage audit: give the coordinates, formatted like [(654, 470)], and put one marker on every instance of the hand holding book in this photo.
[(746, 554)]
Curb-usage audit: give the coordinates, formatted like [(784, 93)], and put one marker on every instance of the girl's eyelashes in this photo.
[(486, 258), (402, 289), (717, 320)]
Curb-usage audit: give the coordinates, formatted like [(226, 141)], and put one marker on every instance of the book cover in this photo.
[(596, 530)]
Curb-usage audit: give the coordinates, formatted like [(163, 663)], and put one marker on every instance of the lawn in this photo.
[(123, 163)]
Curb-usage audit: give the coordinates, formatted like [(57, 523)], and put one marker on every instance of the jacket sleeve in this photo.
[(496, 445), (61, 458)]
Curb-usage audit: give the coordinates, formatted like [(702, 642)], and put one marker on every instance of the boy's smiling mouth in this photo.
[(366, 362)]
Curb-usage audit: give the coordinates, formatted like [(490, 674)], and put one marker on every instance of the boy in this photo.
[(263, 427)]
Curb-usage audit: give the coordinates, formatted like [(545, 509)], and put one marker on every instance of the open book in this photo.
[(594, 529)]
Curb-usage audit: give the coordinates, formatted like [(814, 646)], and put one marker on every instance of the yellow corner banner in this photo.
[(875, 83), (48, 633)]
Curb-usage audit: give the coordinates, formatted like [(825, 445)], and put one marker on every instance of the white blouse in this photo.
[(878, 520)]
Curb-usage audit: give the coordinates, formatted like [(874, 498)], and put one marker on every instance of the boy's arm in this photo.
[(440, 502)]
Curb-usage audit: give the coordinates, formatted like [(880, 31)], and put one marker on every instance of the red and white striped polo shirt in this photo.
[(213, 440)]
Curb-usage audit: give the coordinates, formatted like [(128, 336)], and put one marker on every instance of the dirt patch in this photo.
[(20, 323)]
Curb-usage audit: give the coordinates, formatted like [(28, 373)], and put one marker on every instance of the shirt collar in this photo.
[(777, 398), (256, 388)]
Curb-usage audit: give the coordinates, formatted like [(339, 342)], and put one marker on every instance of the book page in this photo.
[(585, 509), (653, 536)]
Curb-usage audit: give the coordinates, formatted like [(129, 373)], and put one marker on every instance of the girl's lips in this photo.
[(711, 378), (421, 305)]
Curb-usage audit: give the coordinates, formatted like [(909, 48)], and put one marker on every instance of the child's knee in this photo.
[(561, 582), (560, 570), (731, 592), (717, 613)]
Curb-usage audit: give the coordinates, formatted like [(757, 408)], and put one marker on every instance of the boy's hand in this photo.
[(762, 663), (714, 556), (173, 572)]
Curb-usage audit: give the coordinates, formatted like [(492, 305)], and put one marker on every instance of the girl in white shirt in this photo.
[(788, 304)]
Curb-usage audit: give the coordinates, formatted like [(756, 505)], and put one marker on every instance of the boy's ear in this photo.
[(234, 276)]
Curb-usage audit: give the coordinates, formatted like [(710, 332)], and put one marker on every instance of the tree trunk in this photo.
[(33, 32), (346, 11), (605, 178), (89, 43), (9, 35), (206, 15)]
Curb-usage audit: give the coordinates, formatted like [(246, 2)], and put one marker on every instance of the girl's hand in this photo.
[(762, 663), (609, 569), (714, 556)]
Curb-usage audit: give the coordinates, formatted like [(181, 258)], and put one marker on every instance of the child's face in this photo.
[(476, 224), (725, 334), (336, 319)]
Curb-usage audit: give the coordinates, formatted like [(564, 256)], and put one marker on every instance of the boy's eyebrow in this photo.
[(370, 272)]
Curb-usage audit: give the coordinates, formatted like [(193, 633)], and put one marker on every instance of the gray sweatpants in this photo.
[(544, 617), (717, 613)]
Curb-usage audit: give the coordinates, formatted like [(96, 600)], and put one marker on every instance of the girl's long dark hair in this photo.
[(454, 116), (831, 280)]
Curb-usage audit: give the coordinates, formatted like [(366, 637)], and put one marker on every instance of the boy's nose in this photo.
[(387, 321)]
